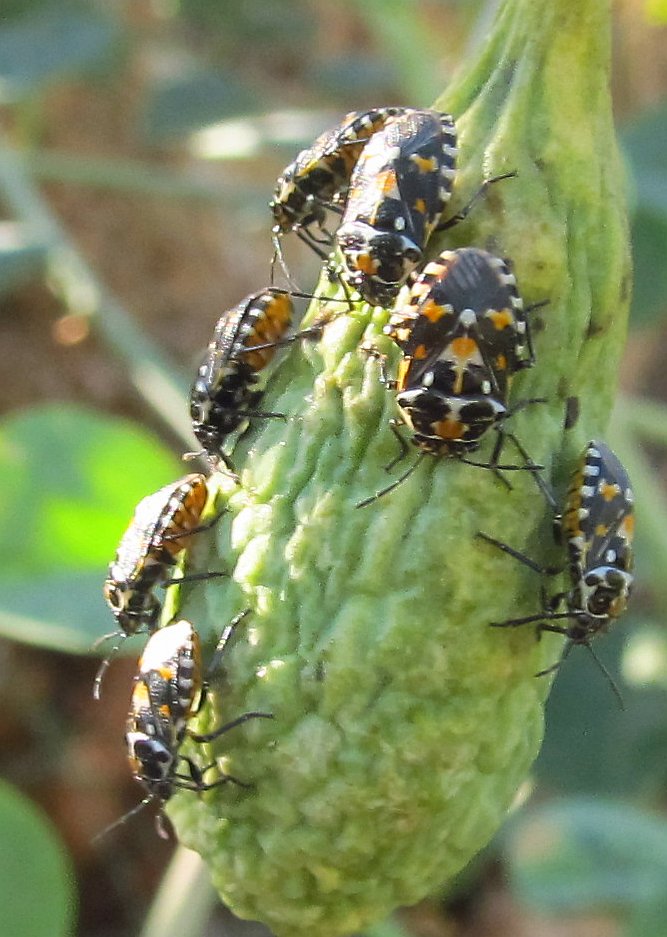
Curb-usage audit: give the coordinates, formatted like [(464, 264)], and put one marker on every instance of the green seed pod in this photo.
[(403, 723)]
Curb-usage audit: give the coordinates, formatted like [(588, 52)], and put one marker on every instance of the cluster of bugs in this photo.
[(462, 334)]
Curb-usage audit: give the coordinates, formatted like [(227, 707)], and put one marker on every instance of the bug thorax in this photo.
[(378, 263), (604, 592), (292, 205), (300, 211), (152, 763), (448, 424), (219, 403), (132, 607)]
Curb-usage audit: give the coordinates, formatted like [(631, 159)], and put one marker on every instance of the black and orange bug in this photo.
[(317, 180), (399, 188), (463, 333), (224, 394), (147, 553), (169, 690), (597, 525)]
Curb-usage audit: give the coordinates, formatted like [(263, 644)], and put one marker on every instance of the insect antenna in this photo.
[(95, 841), (399, 481)]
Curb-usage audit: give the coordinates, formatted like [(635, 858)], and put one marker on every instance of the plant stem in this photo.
[(154, 376), (184, 900)]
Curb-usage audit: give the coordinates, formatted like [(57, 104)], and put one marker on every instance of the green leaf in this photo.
[(51, 44), (649, 236), (347, 73), (37, 894), (69, 481), (648, 920), (585, 854), (20, 260), (178, 107), (586, 742), (656, 11), (61, 612), (590, 745)]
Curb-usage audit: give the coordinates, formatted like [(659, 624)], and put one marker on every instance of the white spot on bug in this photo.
[(468, 317)]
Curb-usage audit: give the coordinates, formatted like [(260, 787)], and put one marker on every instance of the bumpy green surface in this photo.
[(403, 723)]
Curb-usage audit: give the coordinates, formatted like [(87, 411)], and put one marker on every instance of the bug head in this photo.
[(151, 761), (132, 608), (378, 263), (605, 592)]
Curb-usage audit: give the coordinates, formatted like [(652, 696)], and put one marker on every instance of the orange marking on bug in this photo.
[(501, 319), (366, 263), (386, 182), (165, 711), (449, 429), (424, 165), (402, 372), (420, 206), (464, 347), (140, 695), (166, 673), (608, 491), (420, 353), (432, 311), (601, 530), (628, 527), (501, 363)]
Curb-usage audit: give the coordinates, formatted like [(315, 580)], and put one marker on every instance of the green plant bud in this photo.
[(403, 724)]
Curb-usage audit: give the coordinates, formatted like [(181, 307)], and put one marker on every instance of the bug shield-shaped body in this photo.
[(463, 334), (398, 192), (320, 175), (149, 549), (166, 693), (224, 393), (598, 526)]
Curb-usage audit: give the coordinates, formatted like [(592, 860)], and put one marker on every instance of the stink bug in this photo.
[(398, 192), (224, 394), (168, 691), (597, 525), (318, 179), (147, 554), (464, 334)]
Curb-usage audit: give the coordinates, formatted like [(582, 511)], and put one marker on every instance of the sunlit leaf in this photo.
[(656, 11), (69, 481)]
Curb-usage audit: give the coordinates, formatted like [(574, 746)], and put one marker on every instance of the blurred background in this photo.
[(139, 144)]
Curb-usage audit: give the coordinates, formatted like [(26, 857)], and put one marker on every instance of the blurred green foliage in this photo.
[(66, 496), (37, 897)]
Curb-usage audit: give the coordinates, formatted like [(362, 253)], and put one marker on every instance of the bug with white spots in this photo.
[(147, 554), (597, 525), (463, 333), (169, 690), (399, 189), (224, 394), (317, 180)]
